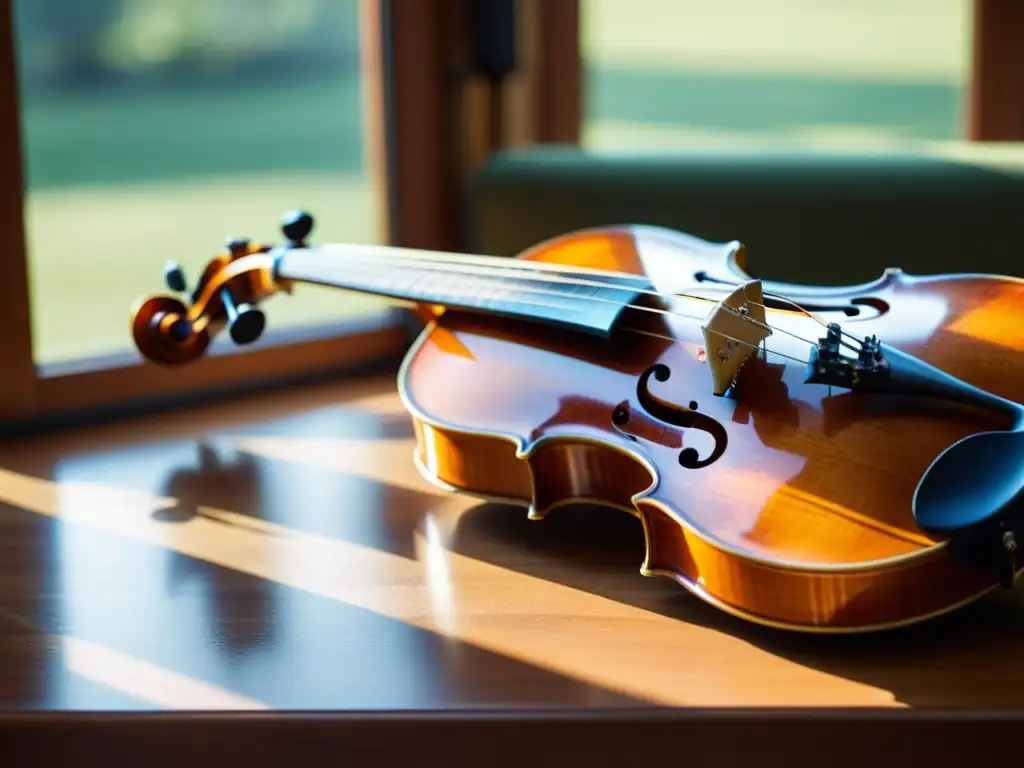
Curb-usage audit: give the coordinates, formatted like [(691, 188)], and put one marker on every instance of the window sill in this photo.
[(124, 384)]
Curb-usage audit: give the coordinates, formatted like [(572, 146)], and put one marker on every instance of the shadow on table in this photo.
[(969, 658), (277, 629), (965, 659)]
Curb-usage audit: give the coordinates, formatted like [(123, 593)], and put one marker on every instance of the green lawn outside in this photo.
[(746, 107), (124, 180), (126, 135)]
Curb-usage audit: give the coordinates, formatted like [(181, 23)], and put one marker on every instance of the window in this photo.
[(155, 129), (870, 73), (152, 130)]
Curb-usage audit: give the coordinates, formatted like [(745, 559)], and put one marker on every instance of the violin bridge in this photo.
[(733, 332)]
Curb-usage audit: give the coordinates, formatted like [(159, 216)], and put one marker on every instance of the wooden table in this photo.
[(281, 553)]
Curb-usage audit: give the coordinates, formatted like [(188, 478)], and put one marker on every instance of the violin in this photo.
[(819, 459)]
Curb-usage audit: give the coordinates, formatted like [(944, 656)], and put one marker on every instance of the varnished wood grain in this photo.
[(806, 521)]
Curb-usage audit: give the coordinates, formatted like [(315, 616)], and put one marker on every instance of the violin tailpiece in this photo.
[(973, 484)]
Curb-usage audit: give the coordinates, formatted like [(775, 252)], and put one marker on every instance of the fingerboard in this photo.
[(489, 285)]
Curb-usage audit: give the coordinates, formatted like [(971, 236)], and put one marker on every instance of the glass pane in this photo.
[(156, 129), (865, 73)]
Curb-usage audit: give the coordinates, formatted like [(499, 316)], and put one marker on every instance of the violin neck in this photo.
[(585, 300)]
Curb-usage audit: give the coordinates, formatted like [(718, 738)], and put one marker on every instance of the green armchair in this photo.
[(806, 217)]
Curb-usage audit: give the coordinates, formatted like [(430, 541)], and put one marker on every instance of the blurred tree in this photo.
[(59, 40), (77, 42)]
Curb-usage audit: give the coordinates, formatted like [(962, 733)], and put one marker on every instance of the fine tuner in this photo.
[(823, 459)]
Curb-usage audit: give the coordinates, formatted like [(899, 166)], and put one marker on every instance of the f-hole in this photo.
[(676, 415), (861, 307)]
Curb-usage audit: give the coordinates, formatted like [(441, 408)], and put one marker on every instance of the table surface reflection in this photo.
[(281, 552)]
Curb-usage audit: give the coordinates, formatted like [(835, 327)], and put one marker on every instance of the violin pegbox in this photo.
[(177, 328), (733, 333)]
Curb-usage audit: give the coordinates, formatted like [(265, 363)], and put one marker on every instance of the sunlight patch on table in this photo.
[(148, 682), (385, 460), (565, 630)]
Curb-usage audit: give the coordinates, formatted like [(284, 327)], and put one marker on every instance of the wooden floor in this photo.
[(282, 553)]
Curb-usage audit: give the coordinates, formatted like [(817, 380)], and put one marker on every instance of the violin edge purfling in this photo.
[(543, 474), (628, 447)]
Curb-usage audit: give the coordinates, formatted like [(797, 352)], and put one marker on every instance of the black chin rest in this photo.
[(974, 481)]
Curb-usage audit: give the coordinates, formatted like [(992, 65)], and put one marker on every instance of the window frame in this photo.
[(995, 103), (414, 84), (31, 392)]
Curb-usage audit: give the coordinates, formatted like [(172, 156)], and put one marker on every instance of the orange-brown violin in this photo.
[(818, 459)]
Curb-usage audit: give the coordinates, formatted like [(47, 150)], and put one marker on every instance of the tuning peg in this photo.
[(296, 226), (174, 277), (245, 321), (238, 246)]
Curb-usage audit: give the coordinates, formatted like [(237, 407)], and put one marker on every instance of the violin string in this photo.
[(809, 314), (716, 282), (560, 279), (758, 347), (494, 262), (569, 295), (522, 271), (664, 312), (532, 269), (799, 308), (674, 313), (765, 326)]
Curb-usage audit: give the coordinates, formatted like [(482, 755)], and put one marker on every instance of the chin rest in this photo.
[(975, 480), (974, 491)]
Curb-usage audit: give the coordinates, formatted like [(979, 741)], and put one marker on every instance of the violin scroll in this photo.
[(177, 329), (163, 333)]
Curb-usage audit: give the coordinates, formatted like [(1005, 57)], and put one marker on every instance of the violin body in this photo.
[(783, 502), (774, 477)]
